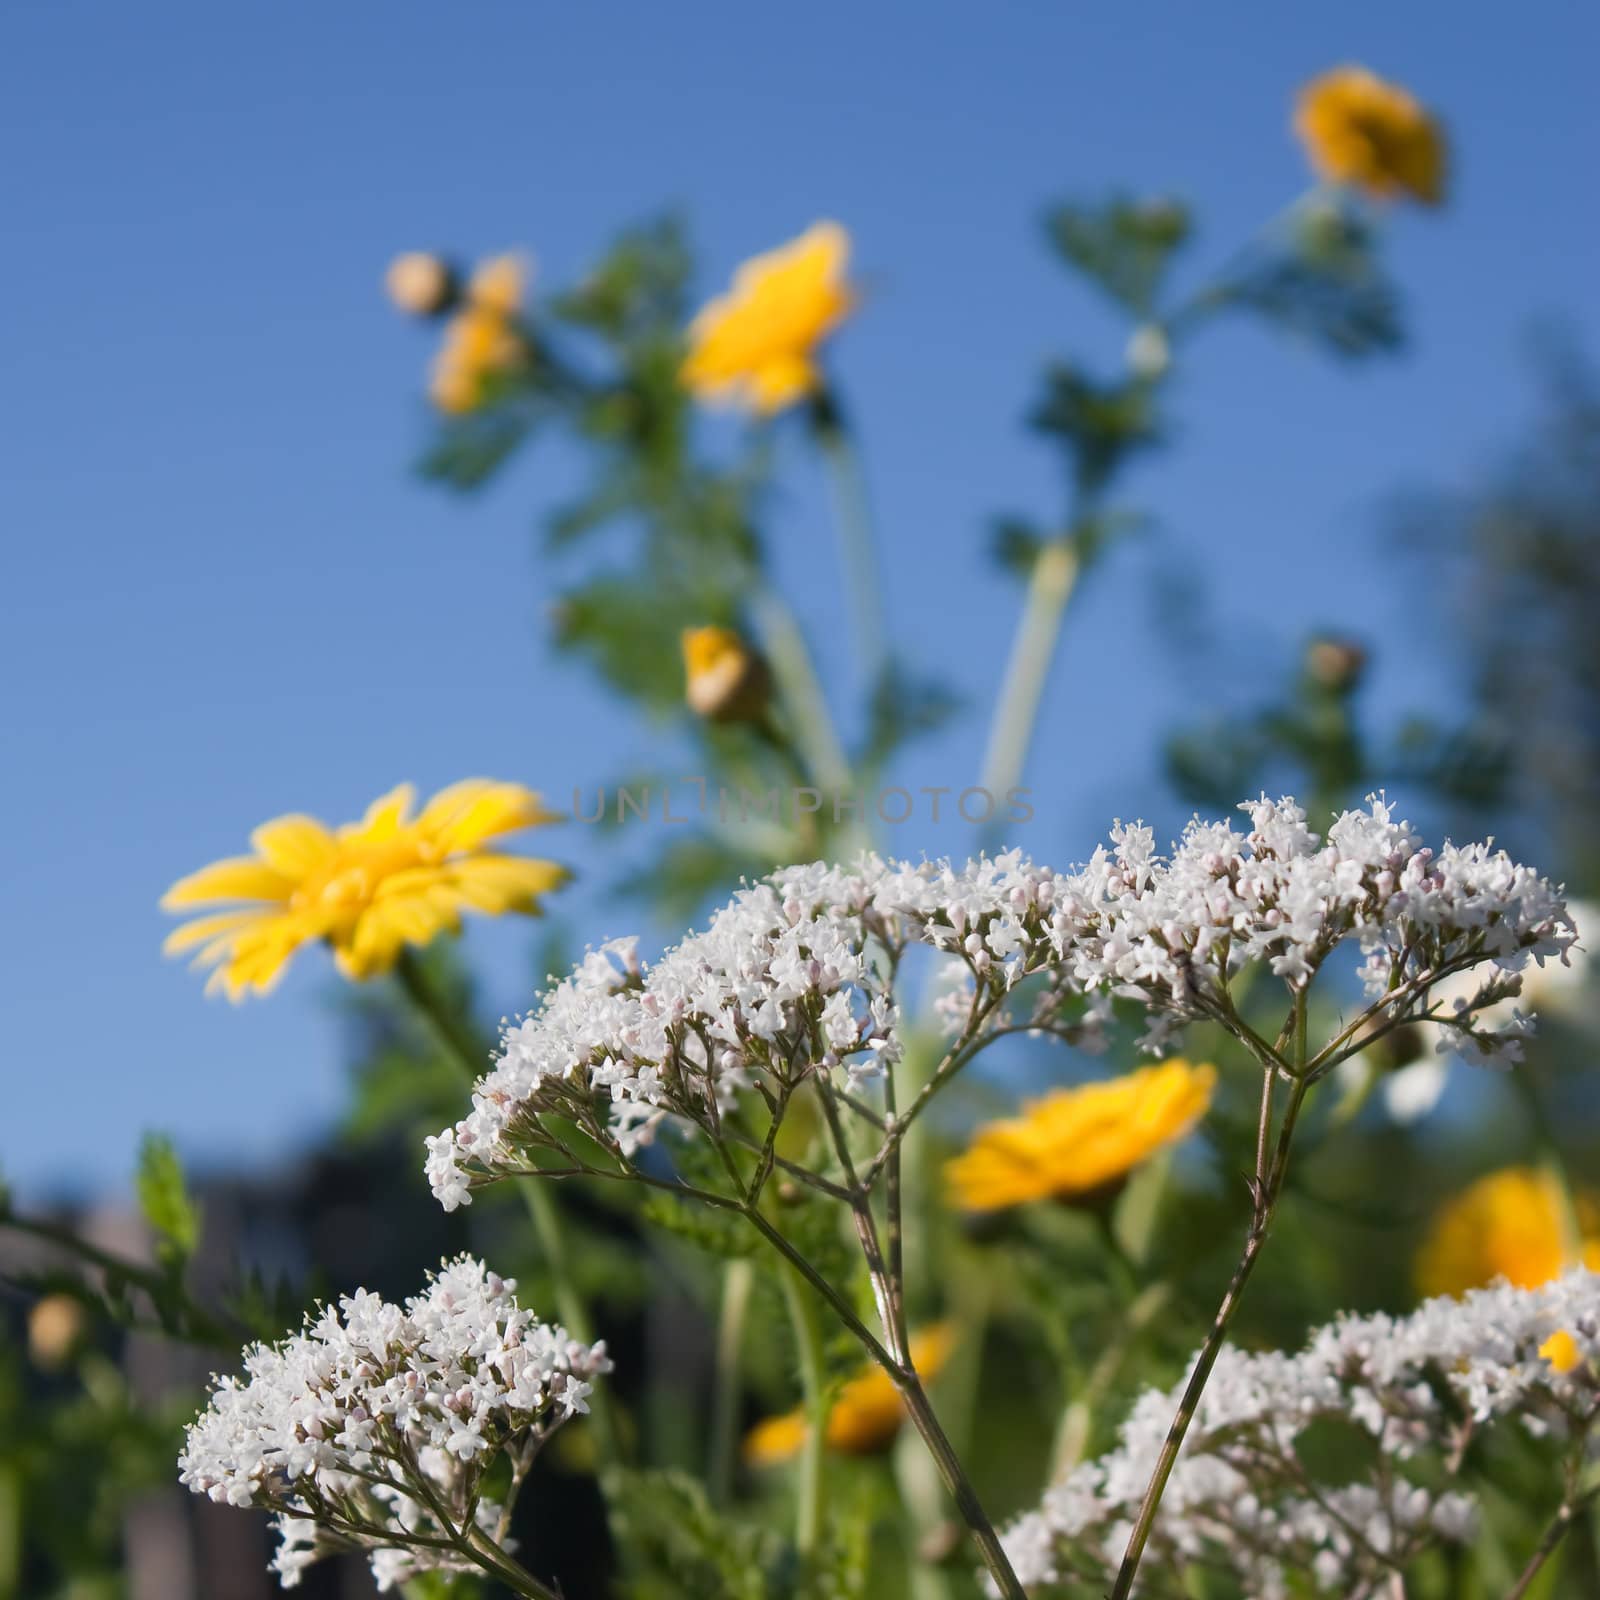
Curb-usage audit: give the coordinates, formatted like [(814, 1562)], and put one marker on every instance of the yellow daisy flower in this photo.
[(1361, 130), (1077, 1141), (866, 1415), (756, 345), (1509, 1225), (366, 889)]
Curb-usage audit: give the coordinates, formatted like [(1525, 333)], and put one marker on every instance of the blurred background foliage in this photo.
[(1063, 1311)]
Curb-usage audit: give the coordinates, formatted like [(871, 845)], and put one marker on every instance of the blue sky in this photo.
[(227, 596)]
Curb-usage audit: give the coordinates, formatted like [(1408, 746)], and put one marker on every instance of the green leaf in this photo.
[(164, 1199), (677, 1544), (1325, 282), (1124, 246), (1101, 424)]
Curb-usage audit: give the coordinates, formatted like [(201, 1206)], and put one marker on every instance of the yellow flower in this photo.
[(367, 889), (1361, 130), (1510, 1225), (1076, 1141), (1561, 1351), (756, 345), (1507, 1225), (419, 283), (724, 679), (866, 1415), (499, 284), (478, 344)]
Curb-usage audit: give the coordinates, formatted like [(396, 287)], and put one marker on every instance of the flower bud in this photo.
[(499, 284), (55, 1329), (725, 679), (1335, 664), (420, 284)]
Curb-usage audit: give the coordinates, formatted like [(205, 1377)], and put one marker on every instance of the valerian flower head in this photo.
[(373, 1429), (796, 974), (1240, 1498), (366, 889)]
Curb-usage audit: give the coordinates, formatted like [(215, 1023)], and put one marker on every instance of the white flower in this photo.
[(780, 981), (357, 1428), (1238, 1495)]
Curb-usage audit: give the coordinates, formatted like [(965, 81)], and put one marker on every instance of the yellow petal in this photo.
[(497, 884), (205, 929), (237, 878), (777, 1439), (464, 815), (294, 845), (384, 818), (1561, 1351)]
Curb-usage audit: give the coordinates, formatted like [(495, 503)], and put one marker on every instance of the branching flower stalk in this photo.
[(1423, 1388), (792, 989)]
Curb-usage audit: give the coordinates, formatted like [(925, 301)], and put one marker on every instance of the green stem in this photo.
[(738, 1278), (800, 691), (1268, 1187), (814, 1385), (1077, 1421), (853, 519), (543, 1212), (1055, 574)]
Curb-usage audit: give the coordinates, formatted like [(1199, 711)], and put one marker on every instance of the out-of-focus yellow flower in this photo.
[(866, 1415), (1507, 1225), (366, 889), (56, 1325), (724, 679), (1361, 130), (1561, 1351), (482, 340), (756, 345), (420, 283), (478, 344), (1077, 1141), (499, 284), (1510, 1225)]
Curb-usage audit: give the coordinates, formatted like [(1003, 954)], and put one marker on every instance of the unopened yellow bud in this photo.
[(725, 679), (420, 284), (499, 284), (55, 1326)]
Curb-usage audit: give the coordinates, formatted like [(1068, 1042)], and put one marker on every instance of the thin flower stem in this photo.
[(801, 692), (738, 1278), (1077, 1421), (853, 519), (536, 1197), (1055, 575), (809, 1497), (1560, 1524), (1266, 1193)]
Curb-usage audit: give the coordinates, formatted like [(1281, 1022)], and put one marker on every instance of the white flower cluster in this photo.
[(1240, 1496), (373, 1429), (785, 980)]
